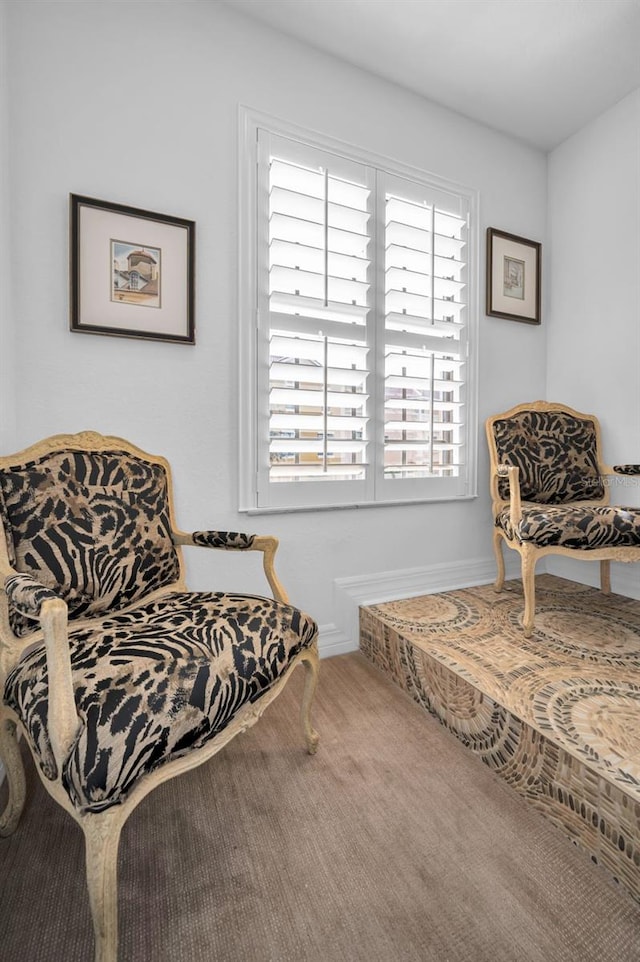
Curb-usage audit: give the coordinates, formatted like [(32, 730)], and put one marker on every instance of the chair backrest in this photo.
[(556, 449), (92, 523)]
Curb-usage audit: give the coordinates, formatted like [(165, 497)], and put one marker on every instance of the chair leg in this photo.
[(497, 548), (605, 577), (12, 761), (311, 663), (102, 835), (529, 587)]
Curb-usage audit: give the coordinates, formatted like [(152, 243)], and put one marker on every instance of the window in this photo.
[(357, 376)]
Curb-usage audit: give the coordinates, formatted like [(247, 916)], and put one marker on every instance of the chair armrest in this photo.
[(227, 540), (236, 541), (40, 603), (626, 469), (515, 505), (27, 594)]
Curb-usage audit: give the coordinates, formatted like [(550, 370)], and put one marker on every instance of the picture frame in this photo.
[(513, 277), (131, 272)]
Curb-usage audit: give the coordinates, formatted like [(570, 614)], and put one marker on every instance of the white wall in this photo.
[(594, 322), (7, 352), (137, 103)]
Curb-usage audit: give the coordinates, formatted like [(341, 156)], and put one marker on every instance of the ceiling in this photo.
[(537, 70)]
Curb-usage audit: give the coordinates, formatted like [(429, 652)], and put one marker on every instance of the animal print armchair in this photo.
[(118, 676), (550, 494)]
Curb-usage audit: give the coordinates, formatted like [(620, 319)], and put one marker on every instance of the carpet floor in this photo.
[(392, 844)]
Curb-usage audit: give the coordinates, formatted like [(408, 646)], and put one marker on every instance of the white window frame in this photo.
[(250, 121)]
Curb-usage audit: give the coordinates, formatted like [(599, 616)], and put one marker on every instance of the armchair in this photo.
[(118, 677), (550, 495)]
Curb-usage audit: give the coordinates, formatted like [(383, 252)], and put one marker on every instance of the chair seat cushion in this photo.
[(154, 682), (580, 526)]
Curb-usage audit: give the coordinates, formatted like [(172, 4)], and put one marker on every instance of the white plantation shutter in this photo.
[(425, 337), (314, 309), (362, 296)]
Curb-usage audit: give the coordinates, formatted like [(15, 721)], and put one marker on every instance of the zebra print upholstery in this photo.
[(556, 453), (231, 540), (549, 494), (626, 469), (93, 526), (27, 595), (155, 682), (575, 526), (158, 679), (117, 675)]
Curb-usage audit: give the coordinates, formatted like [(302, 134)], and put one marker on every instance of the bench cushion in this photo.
[(154, 682), (574, 526)]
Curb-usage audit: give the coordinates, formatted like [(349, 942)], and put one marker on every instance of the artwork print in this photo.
[(513, 288), (513, 278), (131, 272), (136, 274)]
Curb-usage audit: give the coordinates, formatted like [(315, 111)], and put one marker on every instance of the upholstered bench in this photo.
[(118, 676)]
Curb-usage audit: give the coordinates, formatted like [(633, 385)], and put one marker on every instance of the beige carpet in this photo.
[(392, 843)]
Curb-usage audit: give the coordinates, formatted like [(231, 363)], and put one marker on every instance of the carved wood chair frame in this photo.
[(102, 829), (530, 553)]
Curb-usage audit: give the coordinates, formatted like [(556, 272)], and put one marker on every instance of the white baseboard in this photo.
[(374, 589), (332, 641)]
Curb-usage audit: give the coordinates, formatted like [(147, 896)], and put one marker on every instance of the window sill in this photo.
[(299, 509)]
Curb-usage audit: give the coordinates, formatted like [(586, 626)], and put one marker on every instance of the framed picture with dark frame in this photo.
[(513, 277), (132, 272)]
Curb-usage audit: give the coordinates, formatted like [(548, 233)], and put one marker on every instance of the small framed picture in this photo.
[(132, 272), (513, 277)]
